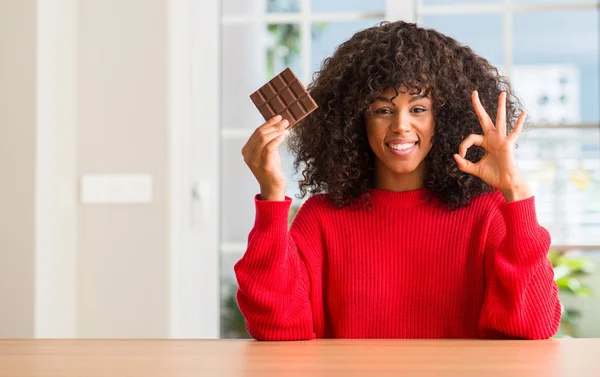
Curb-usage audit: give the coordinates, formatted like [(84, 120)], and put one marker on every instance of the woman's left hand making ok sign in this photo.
[(498, 167)]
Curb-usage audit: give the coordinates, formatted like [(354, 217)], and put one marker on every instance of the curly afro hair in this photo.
[(331, 145)]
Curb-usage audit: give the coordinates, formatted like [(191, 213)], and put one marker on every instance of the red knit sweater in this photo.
[(407, 268)]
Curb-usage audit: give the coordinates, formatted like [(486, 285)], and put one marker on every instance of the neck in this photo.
[(390, 181)]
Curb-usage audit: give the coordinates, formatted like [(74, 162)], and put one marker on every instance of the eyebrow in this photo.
[(412, 99), (384, 99), (417, 97)]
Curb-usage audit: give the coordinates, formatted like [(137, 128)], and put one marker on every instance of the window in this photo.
[(548, 47), (259, 39)]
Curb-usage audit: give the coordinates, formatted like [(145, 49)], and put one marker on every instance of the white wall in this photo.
[(123, 264), (84, 89), (17, 166), (37, 165), (56, 169)]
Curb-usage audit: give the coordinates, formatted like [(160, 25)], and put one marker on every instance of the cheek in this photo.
[(428, 130), (429, 140), (375, 138)]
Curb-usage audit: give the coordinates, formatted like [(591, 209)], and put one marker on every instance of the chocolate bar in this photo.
[(284, 95)]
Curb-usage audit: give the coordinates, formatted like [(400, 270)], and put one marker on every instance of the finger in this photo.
[(516, 132), (469, 141), (266, 137), (260, 139), (273, 147), (270, 123), (465, 165), (484, 118), (274, 144), (279, 126), (265, 126), (501, 116)]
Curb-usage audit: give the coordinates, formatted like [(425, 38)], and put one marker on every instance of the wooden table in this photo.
[(224, 358)]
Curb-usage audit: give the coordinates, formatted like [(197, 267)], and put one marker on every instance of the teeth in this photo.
[(402, 147)]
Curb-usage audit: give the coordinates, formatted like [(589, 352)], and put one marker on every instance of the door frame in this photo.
[(195, 165)]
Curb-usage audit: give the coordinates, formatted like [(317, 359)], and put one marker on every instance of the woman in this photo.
[(420, 224)]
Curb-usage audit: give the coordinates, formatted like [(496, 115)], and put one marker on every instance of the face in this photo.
[(400, 127)]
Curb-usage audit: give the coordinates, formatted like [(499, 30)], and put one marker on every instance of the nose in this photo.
[(401, 122)]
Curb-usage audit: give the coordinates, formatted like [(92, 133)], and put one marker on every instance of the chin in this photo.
[(403, 171), (402, 168)]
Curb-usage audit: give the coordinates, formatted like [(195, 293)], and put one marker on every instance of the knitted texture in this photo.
[(406, 268)]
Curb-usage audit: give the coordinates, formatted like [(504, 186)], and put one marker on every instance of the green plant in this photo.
[(568, 269), (233, 324), (232, 320), (284, 44)]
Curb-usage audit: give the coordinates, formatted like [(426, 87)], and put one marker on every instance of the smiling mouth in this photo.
[(403, 149)]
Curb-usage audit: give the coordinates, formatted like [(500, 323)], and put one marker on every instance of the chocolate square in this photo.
[(286, 96)]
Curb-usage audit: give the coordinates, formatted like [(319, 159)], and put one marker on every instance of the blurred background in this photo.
[(125, 201)]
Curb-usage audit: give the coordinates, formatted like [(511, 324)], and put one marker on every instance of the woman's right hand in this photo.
[(261, 154)]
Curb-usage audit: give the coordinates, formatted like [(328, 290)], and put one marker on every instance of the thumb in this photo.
[(465, 165)]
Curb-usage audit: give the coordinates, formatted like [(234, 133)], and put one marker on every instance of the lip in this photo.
[(400, 141), (405, 152)]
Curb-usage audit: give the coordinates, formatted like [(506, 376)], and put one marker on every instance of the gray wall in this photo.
[(17, 166)]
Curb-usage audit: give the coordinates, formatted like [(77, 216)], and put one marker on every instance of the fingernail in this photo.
[(278, 118)]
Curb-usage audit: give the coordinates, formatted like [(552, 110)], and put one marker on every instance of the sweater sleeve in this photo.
[(279, 271), (521, 298)]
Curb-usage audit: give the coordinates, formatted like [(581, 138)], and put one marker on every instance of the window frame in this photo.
[(411, 11)]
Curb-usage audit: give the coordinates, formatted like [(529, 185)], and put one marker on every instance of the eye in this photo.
[(383, 111), (419, 110)]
